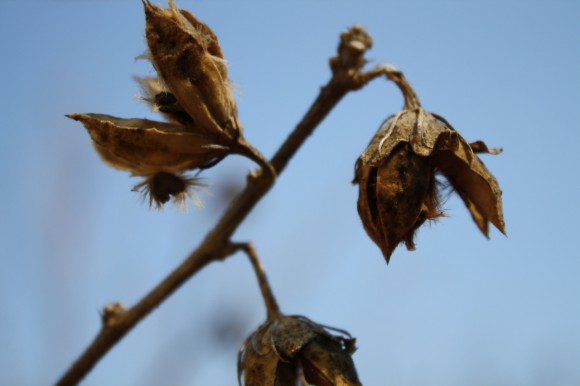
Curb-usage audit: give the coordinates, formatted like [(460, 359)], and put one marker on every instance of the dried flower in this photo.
[(398, 189), (287, 349), (192, 92)]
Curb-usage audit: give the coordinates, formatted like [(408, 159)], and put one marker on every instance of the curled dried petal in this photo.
[(481, 147), (472, 181), (146, 147)]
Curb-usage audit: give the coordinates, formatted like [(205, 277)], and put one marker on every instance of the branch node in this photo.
[(354, 42), (247, 150), (111, 314)]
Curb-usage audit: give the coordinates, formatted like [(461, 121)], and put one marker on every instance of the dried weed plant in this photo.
[(397, 176)]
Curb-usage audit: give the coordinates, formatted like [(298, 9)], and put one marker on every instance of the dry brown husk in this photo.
[(192, 91), (398, 190), (190, 63), (287, 349)]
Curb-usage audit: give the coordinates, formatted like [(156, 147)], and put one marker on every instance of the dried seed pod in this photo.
[(398, 190), (189, 61), (192, 91), (287, 348), (393, 197)]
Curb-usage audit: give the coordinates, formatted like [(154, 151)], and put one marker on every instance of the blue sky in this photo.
[(461, 310)]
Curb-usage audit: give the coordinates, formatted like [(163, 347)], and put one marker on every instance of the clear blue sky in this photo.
[(461, 310)]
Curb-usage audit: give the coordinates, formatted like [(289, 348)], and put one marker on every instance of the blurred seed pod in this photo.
[(190, 63), (292, 350), (398, 189)]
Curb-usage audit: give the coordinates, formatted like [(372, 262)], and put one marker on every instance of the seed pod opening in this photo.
[(162, 100)]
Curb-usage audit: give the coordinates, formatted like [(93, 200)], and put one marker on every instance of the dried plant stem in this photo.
[(216, 245), (411, 99), (340, 84), (243, 147), (269, 300)]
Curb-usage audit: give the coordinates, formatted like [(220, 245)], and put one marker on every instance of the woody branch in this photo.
[(347, 75)]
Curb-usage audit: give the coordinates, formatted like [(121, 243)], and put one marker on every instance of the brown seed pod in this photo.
[(192, 91), (189, 61), (286, 349), (394, 199), (398, 190)]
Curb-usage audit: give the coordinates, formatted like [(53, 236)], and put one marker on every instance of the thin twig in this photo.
[(346, 77), (411, 99), (246, 149), (270, 302)]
